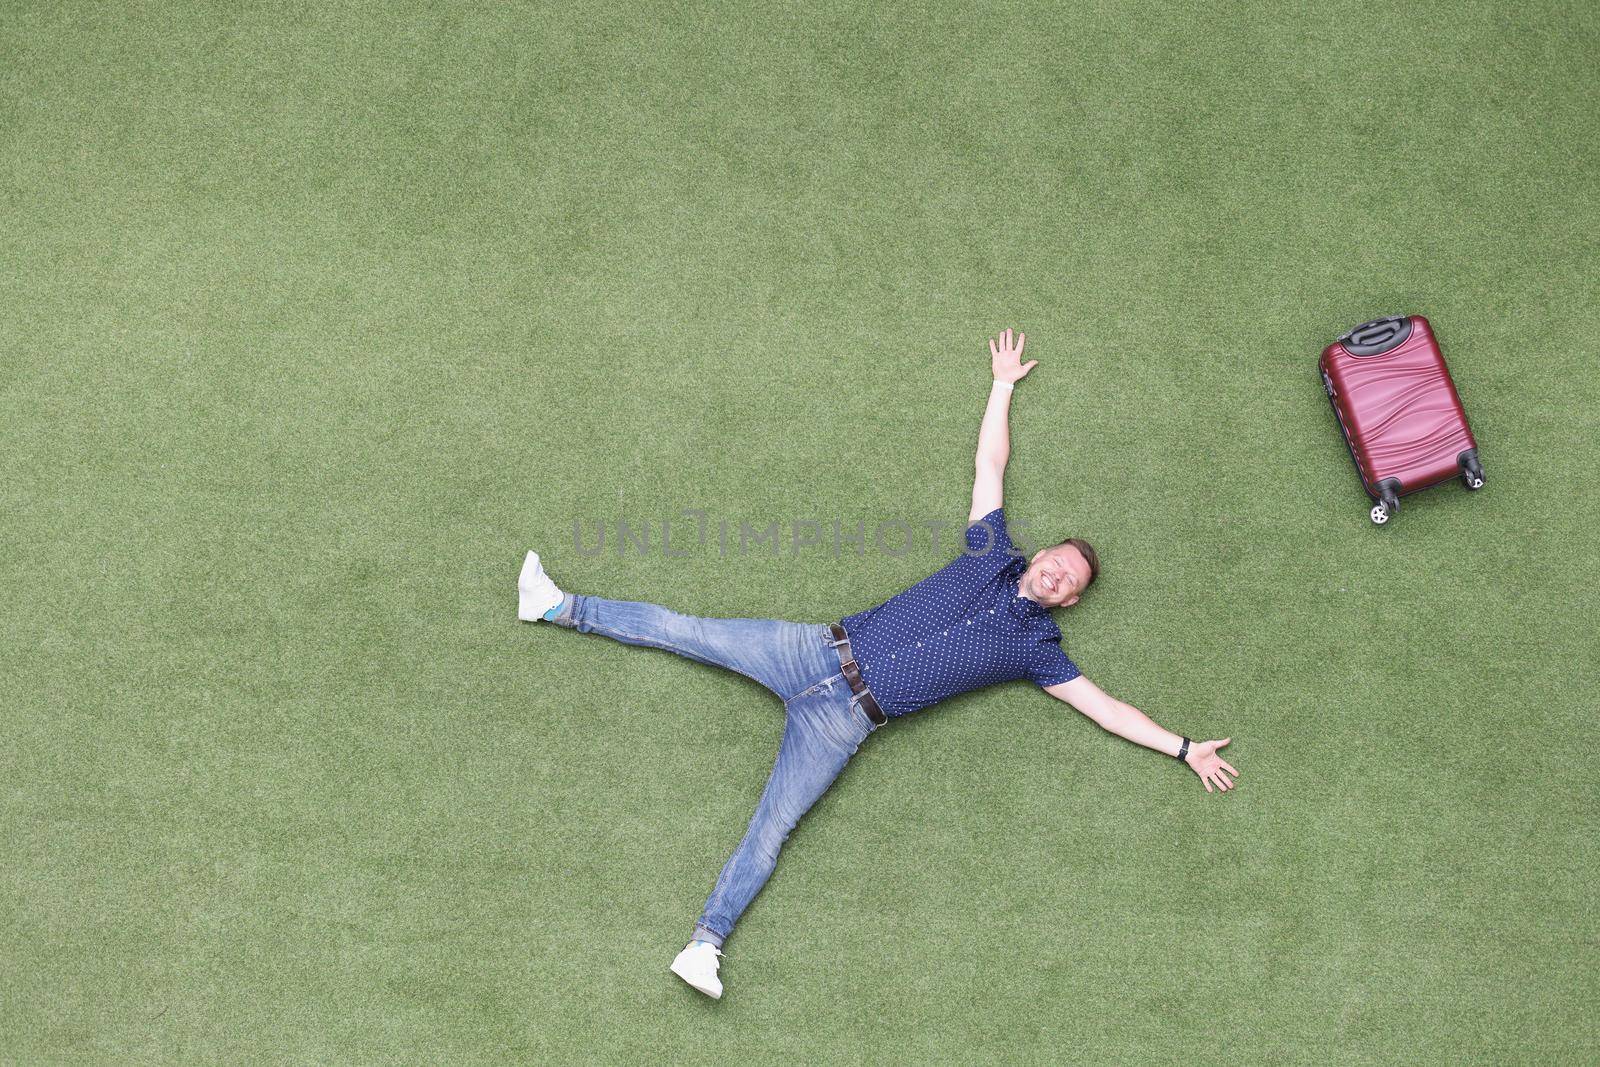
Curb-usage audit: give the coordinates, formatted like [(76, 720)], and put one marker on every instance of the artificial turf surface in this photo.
[(316, 318)]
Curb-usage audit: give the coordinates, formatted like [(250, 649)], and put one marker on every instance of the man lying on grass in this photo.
[(981, 620)]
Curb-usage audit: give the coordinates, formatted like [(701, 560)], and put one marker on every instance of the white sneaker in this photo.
[(697, 964), (536, 593)]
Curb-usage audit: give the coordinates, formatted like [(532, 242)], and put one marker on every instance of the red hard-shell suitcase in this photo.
[(1399, 411)]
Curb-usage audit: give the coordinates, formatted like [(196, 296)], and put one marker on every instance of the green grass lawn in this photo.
[(315, 320)]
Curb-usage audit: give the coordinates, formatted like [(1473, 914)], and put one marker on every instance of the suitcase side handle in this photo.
[(1378, 336)]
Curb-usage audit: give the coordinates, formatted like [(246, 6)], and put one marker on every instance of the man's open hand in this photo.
[(1007, 358), (1212, 768)]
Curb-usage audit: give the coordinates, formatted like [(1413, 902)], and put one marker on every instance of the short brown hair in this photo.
[(1087, 551)]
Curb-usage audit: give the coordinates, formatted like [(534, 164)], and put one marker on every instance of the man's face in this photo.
[(1055, 577)]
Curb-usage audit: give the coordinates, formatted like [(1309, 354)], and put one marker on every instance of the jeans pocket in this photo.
[(832, 713), (863, 723)]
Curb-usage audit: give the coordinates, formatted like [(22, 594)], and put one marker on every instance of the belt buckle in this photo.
[(845, 664)]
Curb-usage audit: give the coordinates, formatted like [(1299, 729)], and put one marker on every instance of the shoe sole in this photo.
[(713, 994), (530, 567)]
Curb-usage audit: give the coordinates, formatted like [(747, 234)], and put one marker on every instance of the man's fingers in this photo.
[(993, 351), (1207, 781), (1028, 366), (1022, 341), (1224, 741), (1228, 765)]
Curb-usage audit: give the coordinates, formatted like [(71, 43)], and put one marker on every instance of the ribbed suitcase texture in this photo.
[(1399, 410)]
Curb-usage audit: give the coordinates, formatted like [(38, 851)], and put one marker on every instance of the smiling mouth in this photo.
[(1049, 583)]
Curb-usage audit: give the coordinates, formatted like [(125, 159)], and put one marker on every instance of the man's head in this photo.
[(1057, 576)]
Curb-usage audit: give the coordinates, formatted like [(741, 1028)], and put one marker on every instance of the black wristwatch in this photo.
[(1183, 749)]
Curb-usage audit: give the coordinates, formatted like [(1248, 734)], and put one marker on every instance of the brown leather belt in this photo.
[(852, 674)]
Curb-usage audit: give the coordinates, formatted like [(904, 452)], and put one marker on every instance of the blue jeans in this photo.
[(823, 725)]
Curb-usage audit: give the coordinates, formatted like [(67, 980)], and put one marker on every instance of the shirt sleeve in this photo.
[(989, 539), (1051, 666)]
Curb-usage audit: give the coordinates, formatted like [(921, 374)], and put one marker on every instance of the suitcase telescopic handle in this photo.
[(1378, 336)]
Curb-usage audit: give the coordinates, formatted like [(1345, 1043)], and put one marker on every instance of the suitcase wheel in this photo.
[(1471, 469), (1388, 502)]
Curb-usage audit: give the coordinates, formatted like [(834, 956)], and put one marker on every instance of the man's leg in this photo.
[(783, 656), (822, 730), (786, 657)]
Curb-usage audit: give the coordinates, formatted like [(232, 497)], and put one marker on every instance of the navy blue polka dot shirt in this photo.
[(960, 628)]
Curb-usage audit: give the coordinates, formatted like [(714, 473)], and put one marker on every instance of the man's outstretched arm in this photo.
[(994, 436), (1127, 721)]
